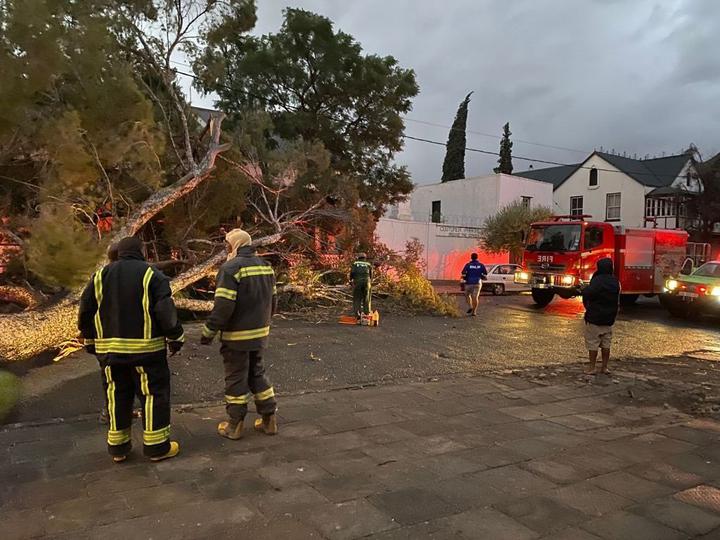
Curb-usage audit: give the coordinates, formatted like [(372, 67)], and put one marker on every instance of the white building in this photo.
[(447, 218), (626, 191)]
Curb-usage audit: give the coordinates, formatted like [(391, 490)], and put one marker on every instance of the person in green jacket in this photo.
[(360, 277)]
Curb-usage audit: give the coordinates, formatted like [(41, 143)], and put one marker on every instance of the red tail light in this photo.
[(701, 289)]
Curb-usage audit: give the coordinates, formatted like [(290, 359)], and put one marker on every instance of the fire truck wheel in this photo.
[(542, 297), (498, 289), (628, 299)]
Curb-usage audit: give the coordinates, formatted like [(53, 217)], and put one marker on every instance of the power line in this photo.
[(542, 145), (536, 160), (469, 149)]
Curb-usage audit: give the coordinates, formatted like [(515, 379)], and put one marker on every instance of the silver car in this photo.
[(501, 279)]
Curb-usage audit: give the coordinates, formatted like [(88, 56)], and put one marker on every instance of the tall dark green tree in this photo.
[(454, 164), (316, 84), (505, 160)]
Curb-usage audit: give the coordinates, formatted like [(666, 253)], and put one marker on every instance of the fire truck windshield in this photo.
[(560, 237)]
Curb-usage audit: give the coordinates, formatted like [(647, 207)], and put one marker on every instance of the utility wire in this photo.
[(469, 149)]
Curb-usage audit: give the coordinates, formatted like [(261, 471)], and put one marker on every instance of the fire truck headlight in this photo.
[(522, 277), (671, 285), (568, 280), (715, 291)]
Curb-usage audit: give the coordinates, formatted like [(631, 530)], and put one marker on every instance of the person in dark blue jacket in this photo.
[(472, 275), (601, 299)]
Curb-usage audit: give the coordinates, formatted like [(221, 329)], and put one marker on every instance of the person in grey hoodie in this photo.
[(601, 299)]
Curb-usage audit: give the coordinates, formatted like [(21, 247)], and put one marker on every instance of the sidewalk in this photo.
[(485, 457)]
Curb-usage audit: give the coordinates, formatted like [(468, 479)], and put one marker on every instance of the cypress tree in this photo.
[(454, 164), (505, 161)]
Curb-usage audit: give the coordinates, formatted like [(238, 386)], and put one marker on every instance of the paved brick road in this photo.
[(485, 457)]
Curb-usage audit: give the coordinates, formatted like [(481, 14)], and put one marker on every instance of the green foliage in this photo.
[(60, 251), (454, 163), (402, 278), (505, 160), (317, 85), (9, 392), (506, 230)]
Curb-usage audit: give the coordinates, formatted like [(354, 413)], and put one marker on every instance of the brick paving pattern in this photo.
[(482, 457)]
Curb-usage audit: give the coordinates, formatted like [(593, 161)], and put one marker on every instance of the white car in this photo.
[(501, 279)]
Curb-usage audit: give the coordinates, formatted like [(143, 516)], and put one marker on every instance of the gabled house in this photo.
[(626, 191)]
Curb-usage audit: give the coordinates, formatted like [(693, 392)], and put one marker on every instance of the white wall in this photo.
[(632, 205), (471, 200), (444, 256)]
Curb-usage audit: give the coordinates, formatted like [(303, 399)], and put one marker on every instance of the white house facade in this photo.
[(625, 191), (447, 218)]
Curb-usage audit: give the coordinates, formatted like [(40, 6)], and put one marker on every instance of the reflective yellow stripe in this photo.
[(181, 338), (158, 436), (239, 400), (111, 398), (89, 341), (221, 292), (248, 271), (129, 345), (265, 394), (97, 280), (116, 438), (242, 335), (147, 329), (207, 332), (145, 389)]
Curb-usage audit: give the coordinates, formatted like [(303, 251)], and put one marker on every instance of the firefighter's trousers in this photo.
[(361, 298), (245, 380), (150, 381)]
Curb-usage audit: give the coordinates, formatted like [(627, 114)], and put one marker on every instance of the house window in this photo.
[(436, 214), (593, 177), (612, 207), (648, 207), (688, 179), (526, 201), (576, 206)]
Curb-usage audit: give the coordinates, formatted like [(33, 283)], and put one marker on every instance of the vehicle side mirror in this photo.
[(687, 267)]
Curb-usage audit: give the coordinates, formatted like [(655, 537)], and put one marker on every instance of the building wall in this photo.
[(632, 200), (470, 201), (445, 256)]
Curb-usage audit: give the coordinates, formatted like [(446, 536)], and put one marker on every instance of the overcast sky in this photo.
[(640, 76)]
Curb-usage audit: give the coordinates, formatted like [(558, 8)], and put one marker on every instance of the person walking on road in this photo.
[(601, 299), (361, 278), (245, 300), (127, 318), (472, 275)]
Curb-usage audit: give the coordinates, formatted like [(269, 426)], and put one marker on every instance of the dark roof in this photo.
[(667, 191), (656, 172), (552, 175)]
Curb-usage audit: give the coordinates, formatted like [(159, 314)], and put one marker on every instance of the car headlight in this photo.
[(715, 291), (522, 276), (567, 280), (671, 284)]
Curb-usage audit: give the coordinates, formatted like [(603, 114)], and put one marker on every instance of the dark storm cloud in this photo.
[(640, 76)]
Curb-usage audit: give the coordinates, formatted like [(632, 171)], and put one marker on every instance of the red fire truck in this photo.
[(561, 254)]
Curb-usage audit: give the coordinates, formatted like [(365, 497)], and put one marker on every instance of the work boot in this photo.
[(174, 451), (267, 424), (229, 430)]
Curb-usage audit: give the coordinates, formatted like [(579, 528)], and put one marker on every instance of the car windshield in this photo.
[(708, 270), (554, 238)]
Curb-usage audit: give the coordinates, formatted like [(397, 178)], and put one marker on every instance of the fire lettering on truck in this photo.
[(545, 258)]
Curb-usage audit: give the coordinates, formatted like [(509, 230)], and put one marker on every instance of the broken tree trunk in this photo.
[(27, 334)]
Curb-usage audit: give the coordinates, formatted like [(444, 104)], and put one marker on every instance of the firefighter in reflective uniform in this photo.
[(245, 300), (128, 320), (361, 276)]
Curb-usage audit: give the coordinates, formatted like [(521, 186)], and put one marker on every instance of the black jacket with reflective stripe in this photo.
[(127, 312), (244, 302), (361, 272)]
